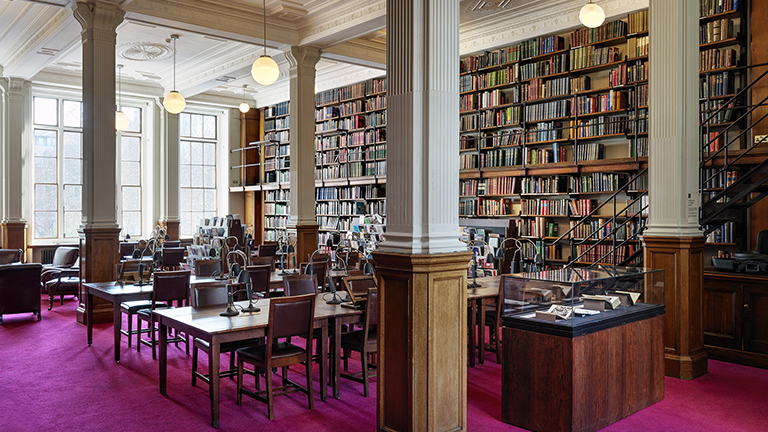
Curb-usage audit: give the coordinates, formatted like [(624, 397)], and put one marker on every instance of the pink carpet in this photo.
[(51, 380)]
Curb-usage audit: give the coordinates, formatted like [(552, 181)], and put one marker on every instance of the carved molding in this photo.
[(300, 57), (338, 18), (58, 19), (101, 17)]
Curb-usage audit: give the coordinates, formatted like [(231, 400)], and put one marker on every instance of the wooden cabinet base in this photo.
[(585, 383)]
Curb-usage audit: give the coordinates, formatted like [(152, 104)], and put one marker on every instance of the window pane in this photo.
[(73, 114), (196, 176), (210, 127), (196, 216), (46, 111), (71, 222), (196, 153), (131, 198), (184, 176), (130, 173), (198, 200), (134, 119), (184, 152), (210, 154), (196, 124), (45, 225), (186, 199), (45, 197), (73, 171), (186, 224), (73, 144), (73, 198), (184, 125), (210, 200), (45, 170), (132, 223), (45, 143), (210, 177), (130, 148)]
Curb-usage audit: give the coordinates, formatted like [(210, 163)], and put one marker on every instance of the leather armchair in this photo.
[(20, 289), (64, 258), (10, 256)]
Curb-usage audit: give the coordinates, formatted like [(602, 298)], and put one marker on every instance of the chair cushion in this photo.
[(146, 313), (228, 346), (279, 350), (355, 338), (135, 306)]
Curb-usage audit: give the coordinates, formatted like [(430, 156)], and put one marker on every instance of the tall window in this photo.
[(197, 169), (130, 173), (58, 167)]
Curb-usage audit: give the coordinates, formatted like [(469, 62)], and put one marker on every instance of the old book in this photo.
[(554, 313), (600, 302), (628, 298)]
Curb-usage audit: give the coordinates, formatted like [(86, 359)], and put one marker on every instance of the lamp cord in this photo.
[(264, 7), (174, 64)]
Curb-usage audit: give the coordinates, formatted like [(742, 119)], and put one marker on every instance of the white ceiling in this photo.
[(40, 40)]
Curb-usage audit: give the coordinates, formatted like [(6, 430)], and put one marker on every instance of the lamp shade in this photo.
[(244, 107), (174, 102), (265, 70), (121, 120), (592, 15)]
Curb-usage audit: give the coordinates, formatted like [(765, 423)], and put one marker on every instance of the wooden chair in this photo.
[(210, 297), (288, 316), (364, 341), (168, 287), (172, 258), (172, 244), (67, 283), (126, 249), (320, 269), (130, 308), (260, 278), (301, 284), (357, 286), (206, 267), (493, 314), (255, 261)]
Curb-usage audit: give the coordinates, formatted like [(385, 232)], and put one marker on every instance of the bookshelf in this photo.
[(551, 125)]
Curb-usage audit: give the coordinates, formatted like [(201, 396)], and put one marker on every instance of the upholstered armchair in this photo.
[(10, 256), (20, 289), (64, 258)]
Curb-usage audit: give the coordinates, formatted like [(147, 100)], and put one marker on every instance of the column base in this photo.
[(13, 235), (98, 257), (171, 228), (681, 258), (306, 242), (422, 370)]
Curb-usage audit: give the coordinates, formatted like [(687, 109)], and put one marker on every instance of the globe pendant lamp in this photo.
[(244, 107), (121, 120), (265, 70), (592, 15), (174, 102)]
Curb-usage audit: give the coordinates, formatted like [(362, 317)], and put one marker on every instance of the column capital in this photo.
[(100, 18), (302, 56), (18, 86)]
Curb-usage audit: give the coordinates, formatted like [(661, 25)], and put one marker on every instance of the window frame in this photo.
[(190, 139)]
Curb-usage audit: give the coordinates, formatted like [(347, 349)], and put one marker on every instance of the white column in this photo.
[(17, 102), (99, 21), (423, 127), (302, 61), (674, 119), (168, 168)]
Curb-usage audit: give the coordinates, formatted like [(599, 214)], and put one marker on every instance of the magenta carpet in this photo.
[(51, 380)]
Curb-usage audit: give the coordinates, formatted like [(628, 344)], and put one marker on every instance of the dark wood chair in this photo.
[(167, 287), (288, 316), (65, 257), (212, 296), (493, 314), (357, 286), (130, 308), (172, 258), (364, 341), (67, 283), (207, 267), (260, 278), (20, 289), (320, 270), (126, 249), (300, 284), (172, 243), (255, 261)]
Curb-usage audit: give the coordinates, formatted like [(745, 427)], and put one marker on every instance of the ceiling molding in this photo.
[(340, 25), (360, 53)]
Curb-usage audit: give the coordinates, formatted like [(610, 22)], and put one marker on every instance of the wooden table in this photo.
[(478, 299), (206, 323)]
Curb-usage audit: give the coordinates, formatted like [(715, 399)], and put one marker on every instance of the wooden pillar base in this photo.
[(422, 370), (306, 242), (681, 258), (171, 228), (98, 256), (13, 235)]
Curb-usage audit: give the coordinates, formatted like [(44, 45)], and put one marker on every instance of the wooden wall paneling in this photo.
[(756, 319), (722, 313), (98, 256), (13, 235)]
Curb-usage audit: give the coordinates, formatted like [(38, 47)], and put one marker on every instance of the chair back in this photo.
[(296, 285), (20, 288), (257, 261), (172, 257), (266, 250), (206, 267), (351, 258), (291, 316), (372, 308), (321, 257), (172, 243), (260, 278), (170, 286), (65, 256), (357, 286), (8, 256), (320, 269), (126, 249), (209, 296)]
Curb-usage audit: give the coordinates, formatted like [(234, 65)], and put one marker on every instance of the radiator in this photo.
[(46, 255)]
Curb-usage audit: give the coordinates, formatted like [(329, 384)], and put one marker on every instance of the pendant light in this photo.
[(174, 102), (244, 107), (591, 15), (265, 70), (121, 120)]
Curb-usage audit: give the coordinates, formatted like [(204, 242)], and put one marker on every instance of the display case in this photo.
[(577, 301)]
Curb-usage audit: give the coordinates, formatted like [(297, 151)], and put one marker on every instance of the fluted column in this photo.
[(422, 267), (168, 168), (99, 230), (17, 102), (673, 240), (302, 61)]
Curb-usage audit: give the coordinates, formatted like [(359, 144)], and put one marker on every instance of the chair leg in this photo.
[(1, 319), (270, 401), (498, 345), (61, 299), (153, 331), (364, 359), (240, 381), (232, 364), (130, 328), (138, 333), (309, 383), (194, 366), (285, 373), (39, 317)]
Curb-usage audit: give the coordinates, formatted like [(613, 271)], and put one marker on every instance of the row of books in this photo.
[(508, 116), (537, 227), (558, 153), (714, 178), (281, 136), (376, 85), (547, 110), (713, 7), (716, 112), (723, 234), (330, 172), (637, 47), (716, 31), (501, 158), (545, 131), (277, 123), (593, 56), (367, 168), (554, 65), (503, 138), (713, 59), (494, 207), (376, 103), (614, 100), (279, 109), (581, 207), (359, 90), (538, 88), (349, 192), (719, 84), (598, 182), (275, 221), (496, 78), (600, 126), (274, 208), (544, 185), (468, 161), (637, 22), (340, 208), (588, 151), (544, 207), (352, 107), (541, 46), (277, 195), (497, 186), (638, 71), (602, 253), (638, 147), (609, 30)]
